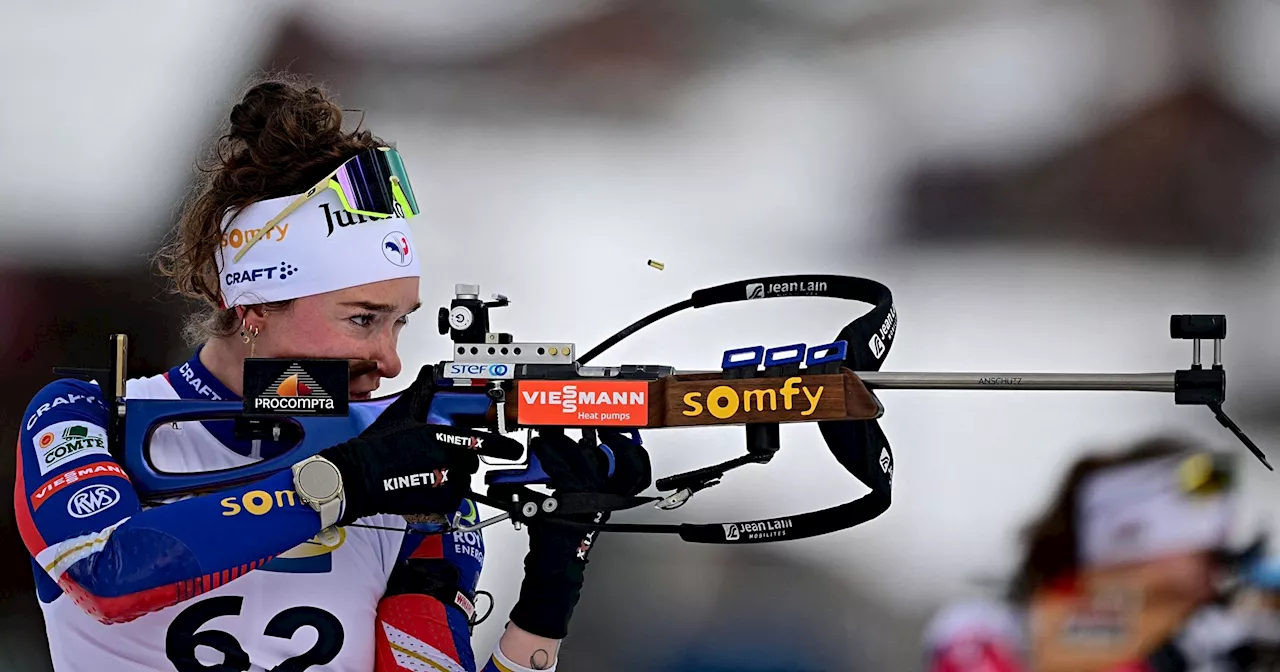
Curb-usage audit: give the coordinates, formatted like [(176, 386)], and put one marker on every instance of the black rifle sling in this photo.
[(859, 445)]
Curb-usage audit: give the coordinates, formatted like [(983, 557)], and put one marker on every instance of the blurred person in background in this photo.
[(1127, 571), (239, 579)]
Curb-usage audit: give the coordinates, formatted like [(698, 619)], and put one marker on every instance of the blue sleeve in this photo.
[(438, 626), (82, 523)]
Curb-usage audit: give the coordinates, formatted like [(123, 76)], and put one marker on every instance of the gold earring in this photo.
[(253, 339)]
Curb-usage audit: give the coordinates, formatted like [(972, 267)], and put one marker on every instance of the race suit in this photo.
[(239, 579)]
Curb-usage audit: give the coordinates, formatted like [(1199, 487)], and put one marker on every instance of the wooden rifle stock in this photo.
[(689, 400)]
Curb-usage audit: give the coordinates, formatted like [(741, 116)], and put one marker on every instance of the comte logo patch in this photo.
[(66, 441), (296, 386)]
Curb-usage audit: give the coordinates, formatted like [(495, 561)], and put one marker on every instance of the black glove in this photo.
[(402, 465), (557, 558)]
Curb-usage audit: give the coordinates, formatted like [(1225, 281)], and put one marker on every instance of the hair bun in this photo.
[(250, 116), (281, 122)]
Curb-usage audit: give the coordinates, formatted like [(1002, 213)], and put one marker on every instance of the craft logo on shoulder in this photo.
[(296, 387), (615, 403), (91, 500), (58, 401), (395, 247), (762, 290), (189, 375), (757, 530), (66, 441), (886, 462)]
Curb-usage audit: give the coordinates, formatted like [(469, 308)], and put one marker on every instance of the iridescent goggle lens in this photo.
[(374, 183)]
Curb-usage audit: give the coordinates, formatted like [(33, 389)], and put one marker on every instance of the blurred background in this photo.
[(1040, 182)]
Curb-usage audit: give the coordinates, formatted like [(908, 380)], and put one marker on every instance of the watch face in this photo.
[(318, 480)]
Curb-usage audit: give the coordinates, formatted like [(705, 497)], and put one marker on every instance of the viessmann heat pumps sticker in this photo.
[(620, 403)]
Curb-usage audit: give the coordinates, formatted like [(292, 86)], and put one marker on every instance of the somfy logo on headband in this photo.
[(395, 247)]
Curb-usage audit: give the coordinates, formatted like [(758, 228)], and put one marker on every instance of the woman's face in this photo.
[(1189, 575), (357, 323)]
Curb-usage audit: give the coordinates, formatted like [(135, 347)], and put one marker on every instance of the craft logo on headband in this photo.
[(298, 258)]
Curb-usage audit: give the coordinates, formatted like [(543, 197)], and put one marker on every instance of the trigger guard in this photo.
[(613, 463)]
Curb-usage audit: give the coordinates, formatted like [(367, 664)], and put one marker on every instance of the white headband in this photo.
[(318, 248), (1140, 512)]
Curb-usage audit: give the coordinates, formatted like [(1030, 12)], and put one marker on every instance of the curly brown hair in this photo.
[(1050, 545), (283, 136)]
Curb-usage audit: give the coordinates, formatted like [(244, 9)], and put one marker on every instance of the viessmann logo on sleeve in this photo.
[(77, 475), (620, 403)]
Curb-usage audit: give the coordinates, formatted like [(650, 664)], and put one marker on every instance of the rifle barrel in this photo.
[(1130, 382)]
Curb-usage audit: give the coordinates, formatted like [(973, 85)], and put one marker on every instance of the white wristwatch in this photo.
[(319, 485)]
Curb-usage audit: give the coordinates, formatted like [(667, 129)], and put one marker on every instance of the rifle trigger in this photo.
[(674, 500), (677, 499)]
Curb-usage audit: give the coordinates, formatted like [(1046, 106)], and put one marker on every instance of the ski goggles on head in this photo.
[(373, 183), (1206, 474)]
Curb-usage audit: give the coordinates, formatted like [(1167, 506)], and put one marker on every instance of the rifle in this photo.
[(498, 383)]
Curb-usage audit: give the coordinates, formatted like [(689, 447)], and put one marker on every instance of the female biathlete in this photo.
[(1122, 573), (257, 577)]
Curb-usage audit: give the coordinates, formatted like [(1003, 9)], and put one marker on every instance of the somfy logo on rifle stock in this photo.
[(724, 401)]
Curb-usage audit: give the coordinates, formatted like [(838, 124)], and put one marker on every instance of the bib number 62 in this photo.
[(184, 636)]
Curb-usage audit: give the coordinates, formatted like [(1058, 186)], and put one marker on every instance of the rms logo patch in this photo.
[(92, 500)]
